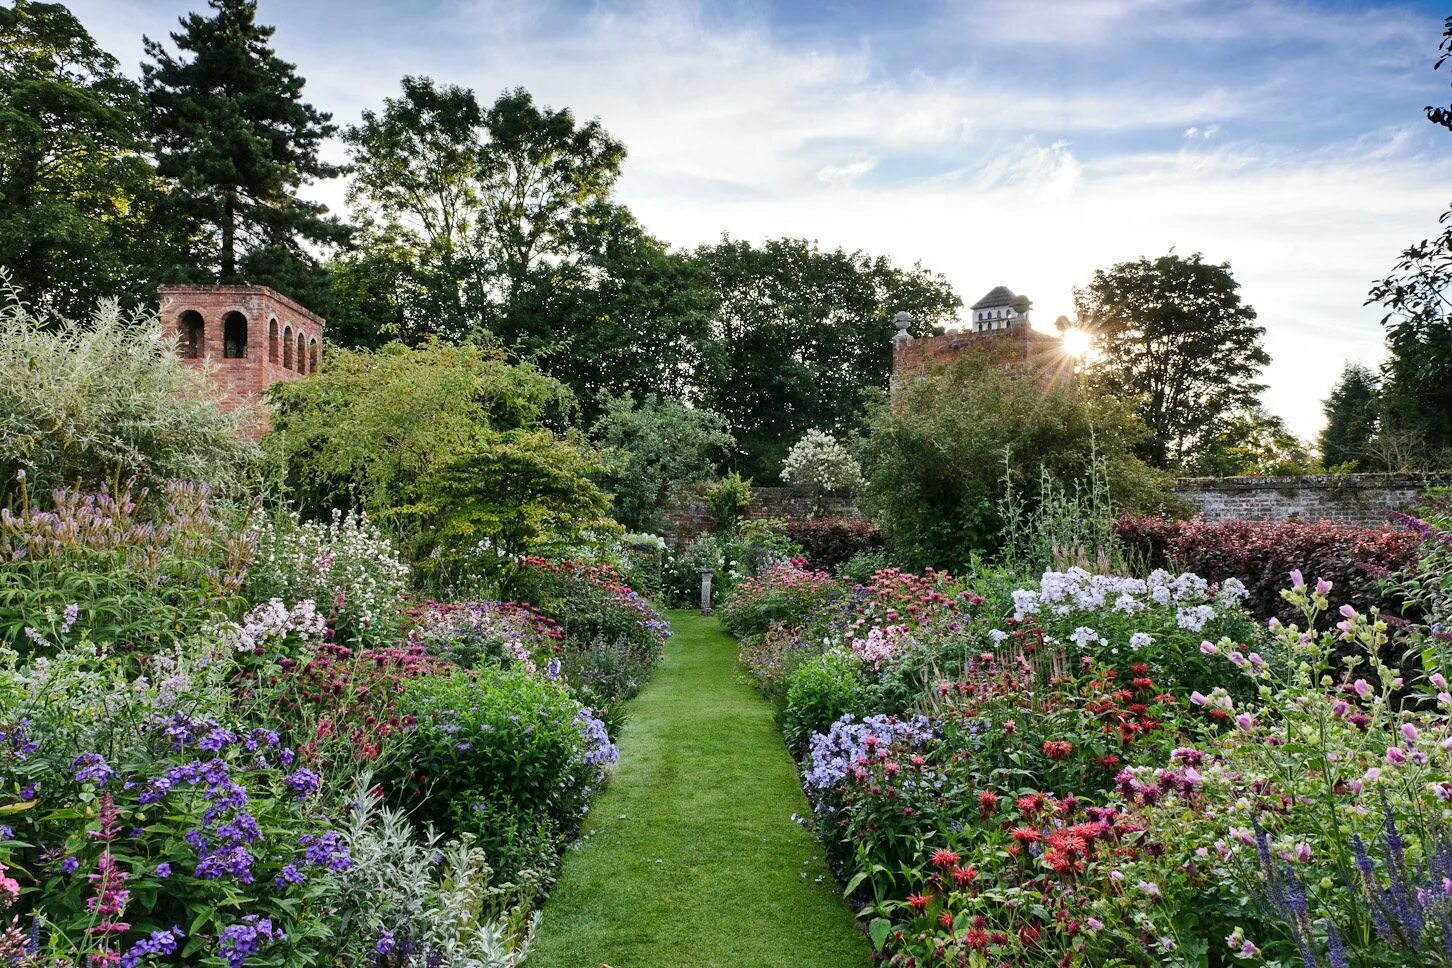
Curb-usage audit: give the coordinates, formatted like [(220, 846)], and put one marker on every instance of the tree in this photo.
[(1252, 443), (1174, 335), (236, 142), (78, 199), (935, 456), (821, 464), (1416, 385), (638, 322), (652, 448), (106, 399), (802, 338), (490, 215), (383, 429), (1352, 411)]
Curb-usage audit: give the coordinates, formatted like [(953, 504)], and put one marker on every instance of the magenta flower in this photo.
[(1298, 581), (1409, 733), (1323, 587), (1245, 721), (1395, 756), (1361, 688)]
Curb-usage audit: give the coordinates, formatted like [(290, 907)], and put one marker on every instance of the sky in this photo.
[(1024, 143)]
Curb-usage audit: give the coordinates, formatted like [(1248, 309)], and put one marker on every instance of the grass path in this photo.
[(695, 861)]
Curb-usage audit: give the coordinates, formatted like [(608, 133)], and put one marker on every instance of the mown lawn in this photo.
[(694, 860)]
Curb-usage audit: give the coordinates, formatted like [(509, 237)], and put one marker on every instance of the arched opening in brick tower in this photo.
[(302, 353), (192, 335), (272, 338), (234, 336), (287, 347), (312, 355)]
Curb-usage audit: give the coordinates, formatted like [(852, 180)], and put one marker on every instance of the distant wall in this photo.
[(1349, 498), (688, 517)]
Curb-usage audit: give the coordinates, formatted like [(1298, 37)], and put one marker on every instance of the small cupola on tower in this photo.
[(251, 336), (999, 309)]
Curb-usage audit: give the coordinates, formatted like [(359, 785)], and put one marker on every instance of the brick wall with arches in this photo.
[(251, 336)]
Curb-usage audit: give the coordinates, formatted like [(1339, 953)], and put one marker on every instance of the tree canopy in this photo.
[(1175, 336), (235, 141)]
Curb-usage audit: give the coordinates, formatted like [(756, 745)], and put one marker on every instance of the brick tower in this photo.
[(252, 337)]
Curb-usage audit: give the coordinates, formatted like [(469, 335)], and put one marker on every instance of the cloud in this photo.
[(1022, 142)]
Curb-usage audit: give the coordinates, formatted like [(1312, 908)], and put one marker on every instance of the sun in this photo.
[(1077, 343)]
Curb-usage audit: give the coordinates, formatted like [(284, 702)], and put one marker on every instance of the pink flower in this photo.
[(1340, 708), (1094, 924), (1395, 756), (1209, 648), (1245, 722), (1409, 733), (1236, 659), (1256, 660), (1438, 680), (1303, 852), (1347, 611), (1323, 587), (1298, 581), (1197, 698), (1361, 688)]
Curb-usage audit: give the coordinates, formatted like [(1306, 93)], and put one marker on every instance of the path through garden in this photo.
[(694, 859)]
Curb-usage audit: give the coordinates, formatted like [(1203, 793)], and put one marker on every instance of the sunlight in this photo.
[(1077, 343)]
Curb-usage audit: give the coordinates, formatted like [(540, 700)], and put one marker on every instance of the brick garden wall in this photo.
[(1364, 499), (688, 517)]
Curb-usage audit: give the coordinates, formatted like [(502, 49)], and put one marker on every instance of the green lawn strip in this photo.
[(691, 857)]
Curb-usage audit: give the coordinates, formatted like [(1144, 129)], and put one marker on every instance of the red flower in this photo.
[(963, 876), (919, 902), (1057, 749), (987, 802), (944, 858), (945, 919), (1024, 835)]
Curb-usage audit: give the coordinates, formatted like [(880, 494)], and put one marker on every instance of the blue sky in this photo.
[(1015, 142)]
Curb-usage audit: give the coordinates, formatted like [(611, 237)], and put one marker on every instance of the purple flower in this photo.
[(92, 768), (242, 940), (385, 943), (290, 875), (163, 870), (303, 783), (70, 865), (160, 943)]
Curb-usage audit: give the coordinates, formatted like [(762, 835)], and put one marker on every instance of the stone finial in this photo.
[(903, 320)]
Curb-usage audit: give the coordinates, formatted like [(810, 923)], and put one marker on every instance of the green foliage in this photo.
[(727, 500), (106, 400), (819, 692), (1252, 443), (1352, 410), (500, 754), (235, 141), (79, 216), (446, 445), (509, 493), (652, 448), (475, 219), (935, 461), (142, 569), (1063, 524), (1174, 336), (804, 339)]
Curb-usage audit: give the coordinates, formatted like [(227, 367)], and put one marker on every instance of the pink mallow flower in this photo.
[(1209, 648), (1395, 756), (1323, 587), (1298, 581), (1409, 733), (1246, 721)]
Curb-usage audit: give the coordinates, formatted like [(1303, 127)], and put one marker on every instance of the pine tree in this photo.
[(1351, 412), (233, 135)]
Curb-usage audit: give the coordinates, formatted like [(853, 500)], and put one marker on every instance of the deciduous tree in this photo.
[(1175, 336)]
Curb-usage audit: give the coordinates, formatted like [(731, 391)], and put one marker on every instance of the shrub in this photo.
[(1261, 555), (132, 814), (139, 569), (821, 691), (829, 543), (346, 566), (727, 500), (504, 755), (609, 635), (654, 448), (934, 457), (783, 593), (107, 400), (823, 466)]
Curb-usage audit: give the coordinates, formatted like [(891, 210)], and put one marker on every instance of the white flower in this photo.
[(1139, 640)]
